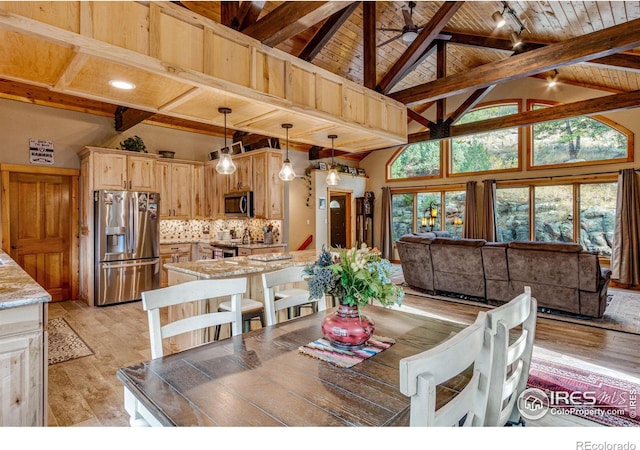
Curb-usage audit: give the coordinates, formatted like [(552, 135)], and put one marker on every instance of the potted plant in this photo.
[(355, 277), (133, 144)]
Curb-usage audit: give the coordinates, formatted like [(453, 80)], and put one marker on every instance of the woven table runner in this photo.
[(321, 349)]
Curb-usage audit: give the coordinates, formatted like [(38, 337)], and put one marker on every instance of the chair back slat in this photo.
[(272, 280), (512, 329), (198, 290), (421, 373)]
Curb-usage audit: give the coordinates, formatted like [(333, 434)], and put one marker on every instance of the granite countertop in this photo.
[(17, 288), (241, 265)]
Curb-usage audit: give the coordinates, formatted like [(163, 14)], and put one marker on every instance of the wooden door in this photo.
[(40, 229)]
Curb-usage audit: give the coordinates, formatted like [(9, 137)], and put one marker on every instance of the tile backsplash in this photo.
[(197, 230)]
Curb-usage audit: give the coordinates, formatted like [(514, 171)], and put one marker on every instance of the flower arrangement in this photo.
[(356, 276)]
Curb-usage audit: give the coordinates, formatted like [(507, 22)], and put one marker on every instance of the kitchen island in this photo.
[(251, 266), (23, 347)]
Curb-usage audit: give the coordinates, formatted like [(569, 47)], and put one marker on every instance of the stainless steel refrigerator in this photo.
[(127, 251)]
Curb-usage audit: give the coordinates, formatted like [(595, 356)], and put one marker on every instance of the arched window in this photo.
[(486, 152), (577, 141), (418, 160)]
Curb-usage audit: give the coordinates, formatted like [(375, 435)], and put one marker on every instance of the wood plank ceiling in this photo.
[(458, 50)]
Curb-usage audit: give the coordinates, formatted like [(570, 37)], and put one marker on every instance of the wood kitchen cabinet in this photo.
[(117, 170), (109, 169), (242, 178), (171, 253), (217, 185), (22, 366), (268, 188), (176, 188)]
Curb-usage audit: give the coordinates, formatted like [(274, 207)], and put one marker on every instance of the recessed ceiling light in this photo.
[(120, 84)]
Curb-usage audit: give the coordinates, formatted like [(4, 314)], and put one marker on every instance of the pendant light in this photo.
[(287, 173), (225, 165), (332, 178)]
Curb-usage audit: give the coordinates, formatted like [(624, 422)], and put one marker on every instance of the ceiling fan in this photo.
[(409, 31)]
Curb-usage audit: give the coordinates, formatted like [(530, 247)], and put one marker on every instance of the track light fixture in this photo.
[(287, 173), (225, 165), (333, 179), (498, 19), (552, 80)]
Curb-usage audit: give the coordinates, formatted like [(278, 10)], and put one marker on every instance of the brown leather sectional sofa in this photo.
[(561, 275)]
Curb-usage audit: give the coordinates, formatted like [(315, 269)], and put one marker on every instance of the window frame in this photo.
[(397, 154), (530, 148), (428, 189), (448, 149), (575, 182)]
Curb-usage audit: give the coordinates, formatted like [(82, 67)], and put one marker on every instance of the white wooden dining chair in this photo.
[(421, 373), (191, 291), (288, 298), (512, 328)]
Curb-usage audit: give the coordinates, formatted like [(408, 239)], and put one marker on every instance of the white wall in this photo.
[(70, 131)]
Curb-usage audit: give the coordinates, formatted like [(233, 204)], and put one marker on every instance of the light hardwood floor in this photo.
[(85, 391)]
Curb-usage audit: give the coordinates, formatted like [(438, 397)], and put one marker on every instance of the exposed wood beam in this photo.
[(249, 13), (469, 103), (418, 46), (369, 44), (580, 49), (326, 31), (608, 103), (126, 118), (205, 9), (229, 13), (415, 116), (618, 61), (289, 19)]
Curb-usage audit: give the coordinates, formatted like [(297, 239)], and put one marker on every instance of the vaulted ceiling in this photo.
[(457, 51)]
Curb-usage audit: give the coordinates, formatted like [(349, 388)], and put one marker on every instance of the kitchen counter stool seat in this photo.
[(251, 310), (295, 310)]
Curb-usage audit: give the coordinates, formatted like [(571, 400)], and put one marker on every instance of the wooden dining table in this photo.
[(260, 378)]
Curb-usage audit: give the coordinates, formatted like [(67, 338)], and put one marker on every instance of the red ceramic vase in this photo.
[(346, 329)]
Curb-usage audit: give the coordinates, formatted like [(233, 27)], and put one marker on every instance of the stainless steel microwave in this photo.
[(239, 204)]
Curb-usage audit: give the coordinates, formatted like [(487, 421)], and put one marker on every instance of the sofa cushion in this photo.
[(459, 242), (567, 247)]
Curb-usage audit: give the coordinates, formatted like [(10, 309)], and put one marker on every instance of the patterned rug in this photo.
[(64, 343), (321, 349), (595, 396)]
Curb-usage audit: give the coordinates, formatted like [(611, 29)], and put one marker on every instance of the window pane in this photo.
[(486, 151), (401, 215), (496, 150), (417, 160), (454, 210), (425, 200), (554, 213), (512, 214), (576, 140), (597, 217)]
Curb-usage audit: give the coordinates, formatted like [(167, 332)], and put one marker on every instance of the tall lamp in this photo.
[(225, 165), (429, 216)]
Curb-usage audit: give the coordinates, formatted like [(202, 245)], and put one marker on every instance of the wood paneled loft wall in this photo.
[(186, 66)]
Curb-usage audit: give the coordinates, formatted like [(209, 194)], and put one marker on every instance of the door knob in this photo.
[(14, 247)]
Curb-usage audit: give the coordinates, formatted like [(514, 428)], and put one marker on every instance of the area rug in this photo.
[(599, 397), (621, 314), (64, 343)]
